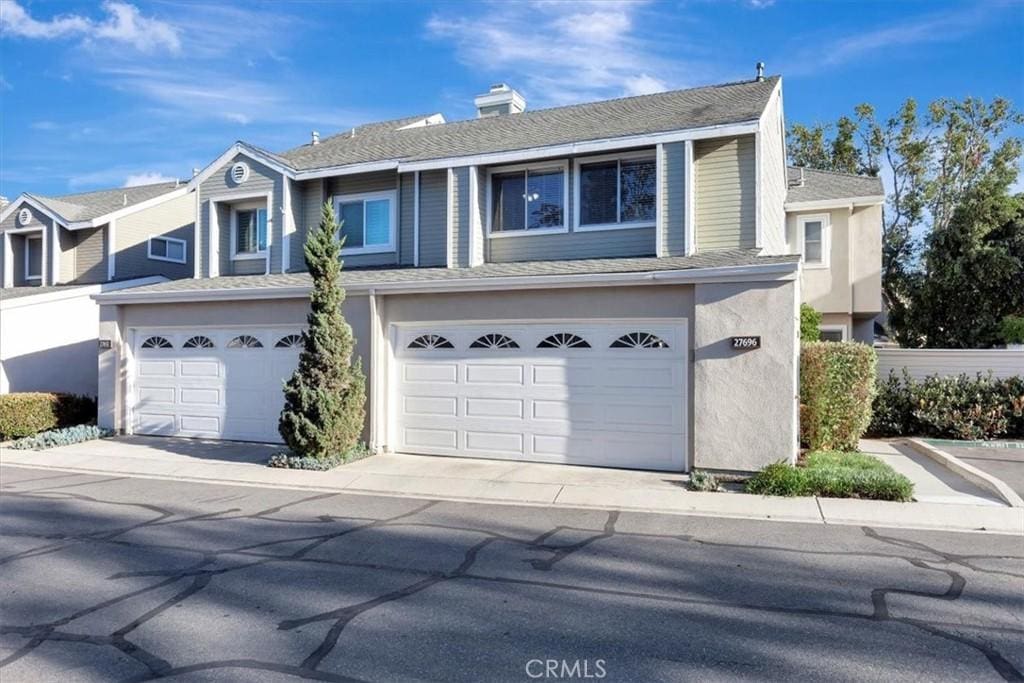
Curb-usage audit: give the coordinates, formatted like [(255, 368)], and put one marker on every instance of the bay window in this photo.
[(525, 200), (617, 191), (368, 222)]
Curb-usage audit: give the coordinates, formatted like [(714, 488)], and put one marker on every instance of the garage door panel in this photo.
[(599, 405), (219, 392)]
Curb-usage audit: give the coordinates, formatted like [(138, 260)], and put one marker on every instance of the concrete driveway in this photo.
[(125, 579), (1002, 463)]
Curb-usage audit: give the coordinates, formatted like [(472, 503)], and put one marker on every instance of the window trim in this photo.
[(42, 259), (249, 205), (578, 164), (826, 239), (152, 257), (562, 165), (392, 197), (836, 328)]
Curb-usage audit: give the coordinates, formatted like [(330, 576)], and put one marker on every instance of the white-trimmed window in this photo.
[(167, 249), (616, 191), (833, 333), (528, 199), (34, 257), (249, 230), (814, 233), (369, 221)]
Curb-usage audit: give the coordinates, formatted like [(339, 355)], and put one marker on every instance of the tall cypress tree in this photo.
[(325, 399)]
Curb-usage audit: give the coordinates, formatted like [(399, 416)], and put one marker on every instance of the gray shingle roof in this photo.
[(377, 277), (88, 205), (824, 185), (662, 112)]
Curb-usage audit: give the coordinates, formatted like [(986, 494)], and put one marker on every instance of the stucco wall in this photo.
[(745, 402)]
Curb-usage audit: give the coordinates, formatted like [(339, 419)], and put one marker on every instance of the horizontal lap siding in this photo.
[(69, 253), (173, 218), (433, 217), (262, 180), (357, 184), (673, 194), (39, 220), (90, 256), (406, 209), (725, 204), (460, 218), (310, 200)]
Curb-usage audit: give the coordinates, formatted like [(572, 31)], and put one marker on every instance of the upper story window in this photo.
[(368, 222), (249, 230), (528, 199), (33, 258), (167, 249), (814, 234), (616, 191)]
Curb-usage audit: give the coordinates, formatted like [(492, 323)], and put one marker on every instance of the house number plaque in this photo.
[(746, 343)]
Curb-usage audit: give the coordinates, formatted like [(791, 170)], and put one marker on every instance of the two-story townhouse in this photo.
[(834, 220), (608, 284), (56, 252), (99, 236)]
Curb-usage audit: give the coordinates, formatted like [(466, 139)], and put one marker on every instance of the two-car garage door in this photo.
[(609, 394)]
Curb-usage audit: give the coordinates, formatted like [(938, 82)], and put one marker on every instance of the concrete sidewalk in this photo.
[(490, 481)]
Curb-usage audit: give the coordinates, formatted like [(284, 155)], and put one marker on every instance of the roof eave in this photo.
[(837, 203)]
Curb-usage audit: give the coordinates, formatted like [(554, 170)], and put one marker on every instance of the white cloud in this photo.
[(561, 53), (123, 24), (147, 178), (44, 125)]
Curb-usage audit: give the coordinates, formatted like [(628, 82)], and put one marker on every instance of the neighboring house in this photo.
[(56, 252), (96, 237), (610, 283), (835, 221)]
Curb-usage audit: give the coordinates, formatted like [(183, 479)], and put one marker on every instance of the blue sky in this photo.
[(103, 94)]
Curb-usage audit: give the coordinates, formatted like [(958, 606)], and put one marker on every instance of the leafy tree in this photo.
[(810, 324), (325, 398), (932, 164), (972, 276)]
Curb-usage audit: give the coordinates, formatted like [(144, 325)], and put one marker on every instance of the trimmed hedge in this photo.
[(955, 407), (61, 437), (25, 414), (837, 385), (833, 475), (810, 323)]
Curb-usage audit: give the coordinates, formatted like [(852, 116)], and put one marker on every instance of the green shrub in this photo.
[(61, 437), (24, 414), (703, 481), (810, 324), (1012, 329), (954, 407), (833, 475), (297, 462), (837, 386)]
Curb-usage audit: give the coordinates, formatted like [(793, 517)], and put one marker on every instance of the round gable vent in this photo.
[(24, 216), (240, 173)]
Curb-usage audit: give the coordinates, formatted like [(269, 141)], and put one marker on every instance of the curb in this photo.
[(827, 511), (968, 472)]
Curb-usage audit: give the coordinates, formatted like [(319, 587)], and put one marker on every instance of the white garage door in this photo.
[(611, 394), (216, 383)]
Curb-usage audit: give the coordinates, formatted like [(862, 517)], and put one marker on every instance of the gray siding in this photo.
[(725, 203), (460, 217), (173, 218), (296, 256), (68, 254), (406, 228), (262, 179), (18, 251), (39, 220), (90, 256), (309, 199), (573, 245), (673, 195), (356, 184), (433, 218)]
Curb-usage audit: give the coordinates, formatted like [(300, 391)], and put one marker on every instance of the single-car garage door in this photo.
[(216, 383), (611, 394)]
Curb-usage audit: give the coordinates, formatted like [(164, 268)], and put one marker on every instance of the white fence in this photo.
[(923, 362)]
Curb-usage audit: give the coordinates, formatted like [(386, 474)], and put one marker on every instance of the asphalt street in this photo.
[(113, 578)]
